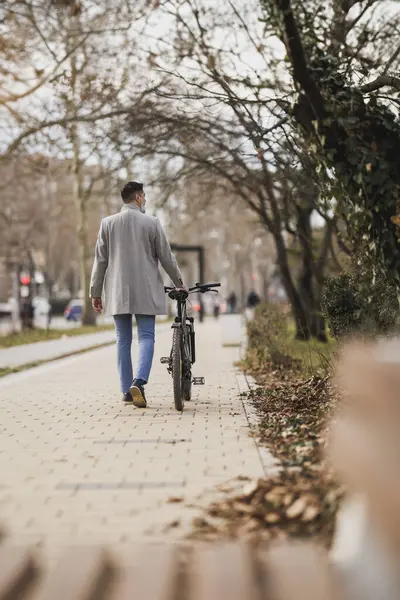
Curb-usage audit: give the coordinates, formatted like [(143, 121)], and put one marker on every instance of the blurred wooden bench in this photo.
[(229, 572)]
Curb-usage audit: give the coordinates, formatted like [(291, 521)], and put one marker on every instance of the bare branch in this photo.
[(298, 59), (361, 14), (43, 80), (380, 82)]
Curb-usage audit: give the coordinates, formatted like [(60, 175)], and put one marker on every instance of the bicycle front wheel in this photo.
[(177, 368)]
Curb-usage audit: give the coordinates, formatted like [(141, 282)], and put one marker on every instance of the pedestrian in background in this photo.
[(232, 303), (217, 307), (253, 300)]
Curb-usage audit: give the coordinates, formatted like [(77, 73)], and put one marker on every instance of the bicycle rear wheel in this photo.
[(187, 372), (177, 369)]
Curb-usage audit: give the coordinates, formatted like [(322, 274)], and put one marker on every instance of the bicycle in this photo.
[(183, 351)]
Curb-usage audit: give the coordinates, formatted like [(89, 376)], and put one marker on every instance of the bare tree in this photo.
[(38, 42), (87, 54), (222, 111), (219, 116)]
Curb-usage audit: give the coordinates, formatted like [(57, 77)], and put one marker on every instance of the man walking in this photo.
[(129, 248)]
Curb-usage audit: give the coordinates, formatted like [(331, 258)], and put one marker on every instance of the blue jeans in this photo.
[(145, 329)]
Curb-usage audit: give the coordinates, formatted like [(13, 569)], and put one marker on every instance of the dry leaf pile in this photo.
[(303, 498), (294, 417)]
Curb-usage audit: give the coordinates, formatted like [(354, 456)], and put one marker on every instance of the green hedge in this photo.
[(352, 308), (269, 338)]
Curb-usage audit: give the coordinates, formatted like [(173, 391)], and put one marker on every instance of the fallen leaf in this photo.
[(241, 507), (172, 525), (297, 508), (310, 513), (250, 489), (227, 489), (199, 522), (248, 527), (274, 497), (288, 499), (272, 518)]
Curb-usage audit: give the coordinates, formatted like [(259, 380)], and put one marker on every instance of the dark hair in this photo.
[(132, 187)]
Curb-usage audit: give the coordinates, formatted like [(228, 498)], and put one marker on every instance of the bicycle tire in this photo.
[(187, 393), (177, 368), (187, 390), (187, 376)]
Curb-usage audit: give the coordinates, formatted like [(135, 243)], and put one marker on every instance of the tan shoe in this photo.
[(138, 396)]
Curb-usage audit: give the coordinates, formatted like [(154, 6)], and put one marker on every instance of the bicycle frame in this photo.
[(182, 320), (186, 323)]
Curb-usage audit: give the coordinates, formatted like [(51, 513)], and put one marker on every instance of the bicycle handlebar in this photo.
[(199, 287), (205, 286)]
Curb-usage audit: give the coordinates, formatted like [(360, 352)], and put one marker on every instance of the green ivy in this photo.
[(361, 147), (356, 149)]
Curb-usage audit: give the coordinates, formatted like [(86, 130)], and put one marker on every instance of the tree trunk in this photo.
[(88, 314), (319, 325), (303, 332), (295, 300), (265, 286), (80, 198), (315, 321), (308, 281), (318, 328)]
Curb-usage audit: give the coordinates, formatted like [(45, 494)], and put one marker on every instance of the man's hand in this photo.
[(97, 305)]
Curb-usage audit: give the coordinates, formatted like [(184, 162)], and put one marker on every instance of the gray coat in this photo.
[(125, 272)]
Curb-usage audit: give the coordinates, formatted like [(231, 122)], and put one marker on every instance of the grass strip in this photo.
[(42, 335)]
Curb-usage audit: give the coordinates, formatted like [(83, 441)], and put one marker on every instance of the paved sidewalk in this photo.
[(77, 467)]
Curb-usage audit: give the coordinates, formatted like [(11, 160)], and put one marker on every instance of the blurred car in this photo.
[(74, 310)]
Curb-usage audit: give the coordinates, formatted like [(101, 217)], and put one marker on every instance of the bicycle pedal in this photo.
[(164, 360), (199, 381)]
